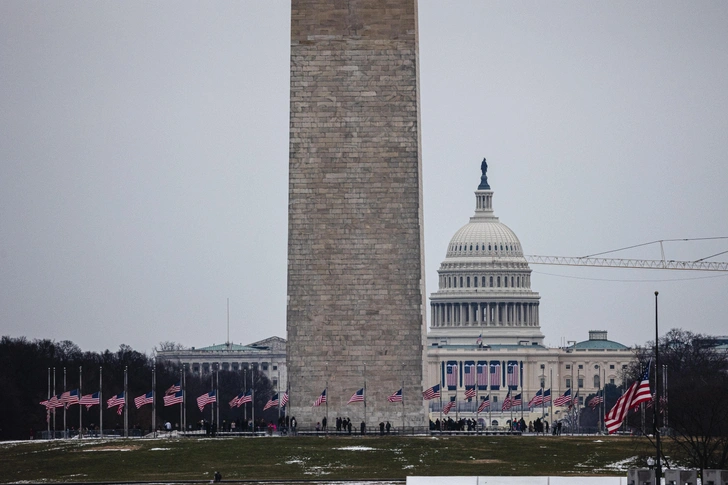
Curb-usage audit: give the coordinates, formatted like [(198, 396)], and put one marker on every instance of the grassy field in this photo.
[(291, 458)]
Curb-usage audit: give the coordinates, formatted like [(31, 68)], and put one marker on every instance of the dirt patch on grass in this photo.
[(111, 448), (482, 461)]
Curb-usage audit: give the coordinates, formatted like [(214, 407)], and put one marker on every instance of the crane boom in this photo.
[(629, 263)]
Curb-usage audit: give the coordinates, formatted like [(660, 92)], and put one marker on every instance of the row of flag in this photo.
[(173, 395)]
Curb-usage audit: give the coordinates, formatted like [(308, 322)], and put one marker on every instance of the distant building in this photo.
[(267, 356), (485, 329)]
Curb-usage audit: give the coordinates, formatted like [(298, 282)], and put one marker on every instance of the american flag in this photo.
[(246, 398), (494, 376), (507, 402), (120, 409), (117, 400), (284, 399), (479, 340), (485, 403), (547, 396), (205, 399), (173, 388), (536, 400), (452, 375), (517, 401), (595, 401), (513, 375), (637, 393), (171, 399), (432, 392), (358, 396), (72, 397), (272, 402), (563, 399), (483, 375), (234, 401), (54, 402), (321, 399), (469, 371), (147, 398), (469, 392), (446, 409), (396, 397), (90, 400)]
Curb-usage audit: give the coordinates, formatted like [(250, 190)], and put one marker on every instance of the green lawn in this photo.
[(316, 457)]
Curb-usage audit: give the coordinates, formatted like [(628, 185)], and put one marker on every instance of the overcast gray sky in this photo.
[(144, 160)]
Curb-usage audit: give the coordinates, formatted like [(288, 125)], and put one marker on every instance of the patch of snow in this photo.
[(159, 449), (356, 448)]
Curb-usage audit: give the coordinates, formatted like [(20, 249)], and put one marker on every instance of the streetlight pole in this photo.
[(656, 407)]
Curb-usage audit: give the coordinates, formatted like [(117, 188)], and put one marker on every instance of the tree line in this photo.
[(25, 366)]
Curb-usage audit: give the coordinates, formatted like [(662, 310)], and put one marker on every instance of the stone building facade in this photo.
[(485, 330), (356, 299), (267, 356)]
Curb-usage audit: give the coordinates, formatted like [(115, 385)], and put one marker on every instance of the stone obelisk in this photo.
[(356, 296)]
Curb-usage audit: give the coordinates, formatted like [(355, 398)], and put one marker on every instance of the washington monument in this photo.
[(356, 296)]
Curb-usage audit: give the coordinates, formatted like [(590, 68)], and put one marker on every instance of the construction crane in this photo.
[(629, 263), (592, 260)]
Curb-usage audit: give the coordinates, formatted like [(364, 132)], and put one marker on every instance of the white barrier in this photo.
[(516, 480)]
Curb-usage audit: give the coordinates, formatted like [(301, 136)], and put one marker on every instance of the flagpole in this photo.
[(656, 410), (181, 385), (551, 400), (245, 408), (403, 424), (439, 371), (54, 408), (154, 398), (126, 403), (477, 401), (101, 400), (184, 400), (80, 393), (48, 410), (65, 427), (252, 406), (212, 405), (365, 397), (280, 398)]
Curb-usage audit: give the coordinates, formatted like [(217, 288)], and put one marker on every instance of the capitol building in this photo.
[(485, 330), (484, 333)]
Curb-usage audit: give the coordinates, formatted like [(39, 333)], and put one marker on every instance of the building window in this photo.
[(568, 366), (581, 382), (495, 399), (491, 282), (196, 369), (611, 381), (505, 281), (483, 282), (511, 281), (468, 281), (568, 382), (461, 282), (275, 383), (475, 282), (499, 282), (597, 384), (264, 365), (611, 366), (275, 366), (581, 366)]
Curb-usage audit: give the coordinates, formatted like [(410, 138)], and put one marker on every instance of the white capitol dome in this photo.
[(484, 285)]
